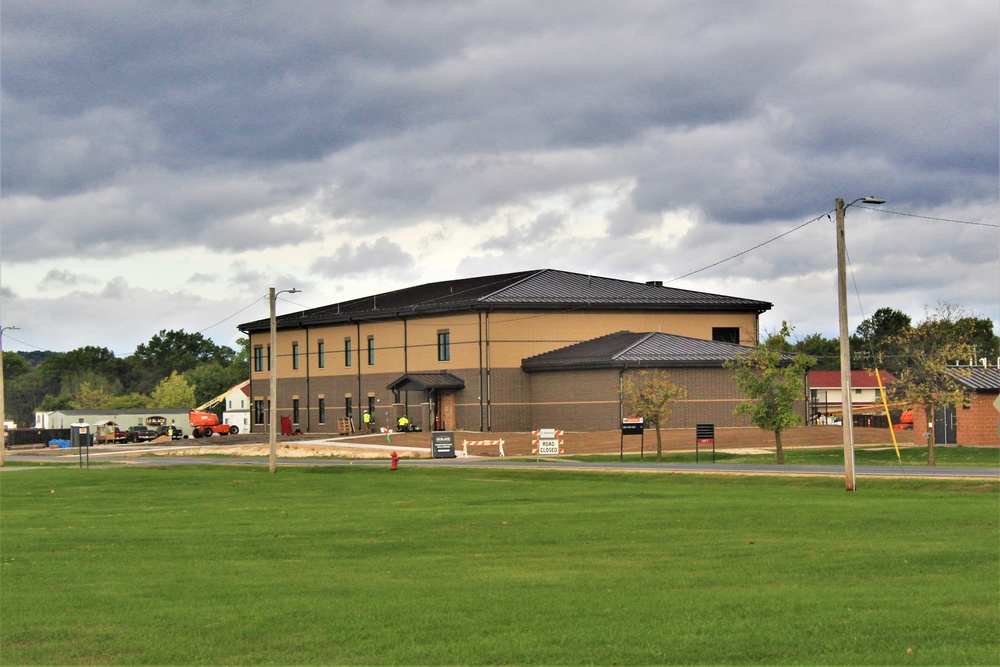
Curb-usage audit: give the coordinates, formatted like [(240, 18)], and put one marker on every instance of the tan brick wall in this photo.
[(977, 425)]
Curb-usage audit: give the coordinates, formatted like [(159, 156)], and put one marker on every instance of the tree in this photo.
[(170, 351), (773, 383), (650, 395), (923, 379), (826, 351), (214, 378), (174, 392), (131, 401), (871, 341), (90, 397)]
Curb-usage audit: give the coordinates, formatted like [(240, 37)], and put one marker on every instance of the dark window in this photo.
[(268, 358), (295, 356), (321, 409), (347, 351), (371, 350), (347, 407), (444, 346), (726, 335), (258, 358), (371, 407), (321, 354), (258, 412), (295, 411)]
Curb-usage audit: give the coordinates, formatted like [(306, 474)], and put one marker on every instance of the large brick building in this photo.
[(465, 354)]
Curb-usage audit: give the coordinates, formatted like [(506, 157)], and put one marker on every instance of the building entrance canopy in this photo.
[(426, 382)]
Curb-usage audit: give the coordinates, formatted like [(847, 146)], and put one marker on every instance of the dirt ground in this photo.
[(520, 444)]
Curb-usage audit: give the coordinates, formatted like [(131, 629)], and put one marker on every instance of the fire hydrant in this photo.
[(395, 461)]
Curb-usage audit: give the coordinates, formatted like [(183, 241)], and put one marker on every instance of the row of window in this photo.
[(443, 349), (260, 406)]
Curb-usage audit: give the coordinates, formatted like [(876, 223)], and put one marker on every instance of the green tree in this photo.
[(90, 397), (130, 401), (871, 344), (826, 351), (923, 380), (170, 351), (214, 378), (650, 394), (773, 383), (174, 392)]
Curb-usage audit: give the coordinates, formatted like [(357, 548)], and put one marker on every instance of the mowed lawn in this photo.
[(356, 564)]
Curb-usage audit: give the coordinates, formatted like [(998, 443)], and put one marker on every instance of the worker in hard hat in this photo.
[(403, 424)]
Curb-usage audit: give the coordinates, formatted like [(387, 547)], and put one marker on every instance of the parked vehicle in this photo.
[(139, 434), (205, 424), (171, 431)]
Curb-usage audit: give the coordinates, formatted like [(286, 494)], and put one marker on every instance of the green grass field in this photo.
[(362, 565), (944, 457)]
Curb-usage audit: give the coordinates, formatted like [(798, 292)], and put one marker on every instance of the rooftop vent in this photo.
[(655, 283)]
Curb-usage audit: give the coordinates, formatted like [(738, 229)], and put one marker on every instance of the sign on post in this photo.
[(443, 444), (704, 434), (547, 442), (632, 426)]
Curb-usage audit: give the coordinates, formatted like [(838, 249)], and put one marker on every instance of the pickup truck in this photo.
[(139, 434), (174, 432)]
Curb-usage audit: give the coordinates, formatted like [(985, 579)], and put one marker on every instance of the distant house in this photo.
[(975, 423), (236, 411), (825, 396)]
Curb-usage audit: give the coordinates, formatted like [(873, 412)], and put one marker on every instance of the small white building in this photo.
[(236, 411)]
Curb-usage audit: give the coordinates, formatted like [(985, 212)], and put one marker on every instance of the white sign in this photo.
[(548, 447)]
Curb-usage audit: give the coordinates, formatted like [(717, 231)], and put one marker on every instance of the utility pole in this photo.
[(847, 420), (272, 358)]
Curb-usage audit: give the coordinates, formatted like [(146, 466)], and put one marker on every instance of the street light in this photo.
[(3, 415), (847, 419), (273, 360)]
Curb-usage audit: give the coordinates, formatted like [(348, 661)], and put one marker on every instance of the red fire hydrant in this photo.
[(395, 461)]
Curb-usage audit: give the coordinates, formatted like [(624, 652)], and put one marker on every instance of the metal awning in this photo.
[(426, 382)]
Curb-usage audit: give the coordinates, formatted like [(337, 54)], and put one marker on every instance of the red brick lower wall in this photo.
[(975, 425)]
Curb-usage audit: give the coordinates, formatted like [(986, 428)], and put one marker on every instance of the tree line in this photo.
[(174, 369)]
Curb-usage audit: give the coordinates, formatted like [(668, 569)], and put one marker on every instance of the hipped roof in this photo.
[(627, 349), (545, 289)]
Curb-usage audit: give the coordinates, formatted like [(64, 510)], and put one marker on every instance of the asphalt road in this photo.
[(522, 464)]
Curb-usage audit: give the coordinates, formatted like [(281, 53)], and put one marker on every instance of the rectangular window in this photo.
[(268, 358), (347, 351), (371, 407), (321, 409), (295, 411), (726, 335), (371, 350), (258, 358), (295, 356), (258, 412), (321, 354), (347, 407), (444, 346)]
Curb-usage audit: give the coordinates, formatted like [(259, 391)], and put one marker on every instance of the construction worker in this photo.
[(403, 424), (367, 419)]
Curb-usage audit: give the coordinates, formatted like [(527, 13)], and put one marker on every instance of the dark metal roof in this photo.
[(525, 290), (626, 349), (425, 381), (977, 378)]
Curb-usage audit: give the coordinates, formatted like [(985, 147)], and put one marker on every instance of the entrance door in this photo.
[(945, 431), (444, 416)]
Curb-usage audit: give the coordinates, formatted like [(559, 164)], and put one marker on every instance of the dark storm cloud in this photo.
[(365, 258)]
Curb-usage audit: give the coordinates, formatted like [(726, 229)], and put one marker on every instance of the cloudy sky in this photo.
[(164, 163)]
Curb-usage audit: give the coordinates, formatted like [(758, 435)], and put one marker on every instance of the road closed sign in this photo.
[(547, 442)]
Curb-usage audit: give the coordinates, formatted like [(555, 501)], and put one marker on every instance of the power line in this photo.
[(759, 245), (928, 217)]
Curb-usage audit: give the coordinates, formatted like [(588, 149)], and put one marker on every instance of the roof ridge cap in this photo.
[(631, 347)]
